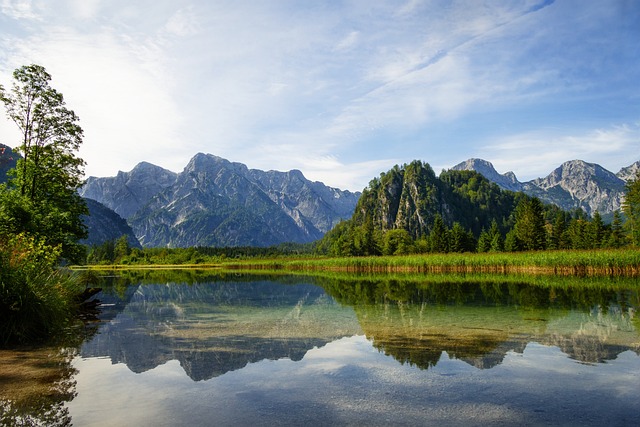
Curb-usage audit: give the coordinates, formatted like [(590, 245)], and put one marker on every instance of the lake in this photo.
[(234, 349)]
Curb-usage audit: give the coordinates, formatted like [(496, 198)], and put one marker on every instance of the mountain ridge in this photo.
[(216, 202), (574, 184)]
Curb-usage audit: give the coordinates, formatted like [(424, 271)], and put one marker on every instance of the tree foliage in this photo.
[(41, 197), (631, 208)]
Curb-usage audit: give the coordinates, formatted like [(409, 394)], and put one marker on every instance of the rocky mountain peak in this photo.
[(574, 184), (629, 173), (507, 181), (127, 192)]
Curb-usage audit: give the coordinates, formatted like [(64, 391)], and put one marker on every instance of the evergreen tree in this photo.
[(616, 237), (438, 238), (595, 232), (497, 242), (577, 233), (484, 241), (511, 242), (631, 208), (529, 227), (558, 237)]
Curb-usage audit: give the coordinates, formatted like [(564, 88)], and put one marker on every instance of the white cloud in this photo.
[(19, 9)]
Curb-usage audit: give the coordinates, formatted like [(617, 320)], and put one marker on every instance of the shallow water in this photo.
[(293, 351)]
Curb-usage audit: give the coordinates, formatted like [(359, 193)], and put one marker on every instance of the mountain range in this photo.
[(215, 202), (574, 184)]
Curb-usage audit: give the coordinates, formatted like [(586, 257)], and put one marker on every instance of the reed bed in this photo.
[(607, 262)]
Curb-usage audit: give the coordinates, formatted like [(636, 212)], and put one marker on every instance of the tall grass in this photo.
[(625, 262), (37, 299)]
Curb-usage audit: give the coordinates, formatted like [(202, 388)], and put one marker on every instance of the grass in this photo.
[(624, 262), (602, 262)]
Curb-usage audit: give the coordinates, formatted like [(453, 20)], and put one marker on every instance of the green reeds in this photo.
[(624, 262)]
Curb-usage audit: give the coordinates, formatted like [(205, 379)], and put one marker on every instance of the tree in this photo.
[(439, 236), (529, 227), (616, 237), (595, 231), (46, 179), (397, 242), (631, 208)]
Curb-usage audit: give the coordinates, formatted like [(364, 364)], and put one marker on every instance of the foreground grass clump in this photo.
[(37, 299), (592, 262)]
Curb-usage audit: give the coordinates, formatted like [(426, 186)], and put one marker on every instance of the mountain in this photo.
[(629, 173), (127, 192), (214, 202), (8, 159), (574, 184), (410, 197), (104, 225), (508, 181)]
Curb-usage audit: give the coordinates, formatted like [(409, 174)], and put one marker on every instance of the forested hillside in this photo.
[(408, 209)]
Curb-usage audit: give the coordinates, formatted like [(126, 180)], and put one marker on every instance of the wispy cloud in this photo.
[(333, 88), (19, 9)]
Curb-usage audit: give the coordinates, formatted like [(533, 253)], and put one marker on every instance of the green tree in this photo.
[(558, 237), (484, 241), (45, 182), (616, 237), (529, 227), (631, 208), (439, 236), (121, 248), (461, 240), (397, 242), (595, 231)]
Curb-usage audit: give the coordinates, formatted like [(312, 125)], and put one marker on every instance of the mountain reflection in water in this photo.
[(348, 350), (220, 326)]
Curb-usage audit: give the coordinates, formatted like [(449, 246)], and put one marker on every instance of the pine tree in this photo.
[(616, 237), (529, 227), (438, 237), (631, 208)]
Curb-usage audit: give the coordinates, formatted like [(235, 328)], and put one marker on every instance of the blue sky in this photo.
[(341, 90)]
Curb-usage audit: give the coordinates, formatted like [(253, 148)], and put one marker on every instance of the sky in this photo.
[(341, 90)]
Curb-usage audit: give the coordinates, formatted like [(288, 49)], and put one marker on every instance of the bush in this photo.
[(36, 298)]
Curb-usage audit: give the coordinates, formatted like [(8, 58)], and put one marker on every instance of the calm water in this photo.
[(243, 350)]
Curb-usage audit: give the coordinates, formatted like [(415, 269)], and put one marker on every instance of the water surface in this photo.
[(254, 350)]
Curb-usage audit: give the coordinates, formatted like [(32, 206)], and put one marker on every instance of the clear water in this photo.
[(295, 351)]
